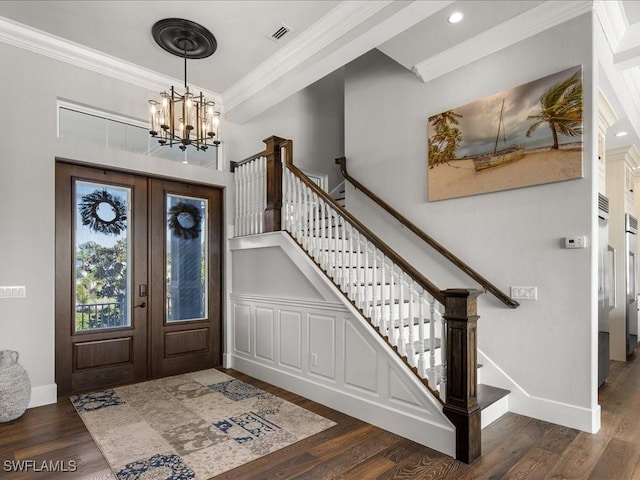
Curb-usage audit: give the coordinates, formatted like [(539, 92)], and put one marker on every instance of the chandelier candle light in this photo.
[(184, 119)]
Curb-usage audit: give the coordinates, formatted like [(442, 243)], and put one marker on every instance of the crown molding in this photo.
[(606, 115), (57, 48), (521, 27), (628, 154), (343, 18), (613, 21)]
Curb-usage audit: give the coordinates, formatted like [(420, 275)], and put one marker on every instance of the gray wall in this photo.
[(511, 237), (27, 230), (313, 118)]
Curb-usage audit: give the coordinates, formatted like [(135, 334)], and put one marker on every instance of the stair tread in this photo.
[(416, 345), (488, 395), (407, 321)]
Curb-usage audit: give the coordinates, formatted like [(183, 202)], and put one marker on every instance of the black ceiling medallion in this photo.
[(184, 38)]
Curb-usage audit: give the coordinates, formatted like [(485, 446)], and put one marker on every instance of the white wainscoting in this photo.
[(319, 350)]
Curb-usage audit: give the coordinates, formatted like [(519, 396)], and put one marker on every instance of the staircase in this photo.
[(419, 321)]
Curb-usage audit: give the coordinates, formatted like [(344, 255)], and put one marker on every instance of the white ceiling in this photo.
[(249, 72), (122, 29)]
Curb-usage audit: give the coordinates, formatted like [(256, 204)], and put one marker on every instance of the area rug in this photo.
[(191, 426)]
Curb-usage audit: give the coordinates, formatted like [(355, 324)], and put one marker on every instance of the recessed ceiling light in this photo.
[(455, 17), (621, 134)]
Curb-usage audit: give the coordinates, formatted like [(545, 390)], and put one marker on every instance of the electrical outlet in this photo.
[(314, 359), (524, 293)]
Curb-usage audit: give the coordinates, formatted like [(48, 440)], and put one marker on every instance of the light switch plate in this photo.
[(13, 292), (524, 293)]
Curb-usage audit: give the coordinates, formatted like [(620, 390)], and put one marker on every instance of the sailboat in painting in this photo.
[(499, 157)]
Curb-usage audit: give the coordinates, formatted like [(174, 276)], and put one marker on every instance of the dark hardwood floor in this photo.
[(514, 447)]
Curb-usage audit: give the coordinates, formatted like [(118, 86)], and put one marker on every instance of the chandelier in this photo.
[(184, 119)]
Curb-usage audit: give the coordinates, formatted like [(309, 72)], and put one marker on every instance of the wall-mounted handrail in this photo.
[(486, 284)]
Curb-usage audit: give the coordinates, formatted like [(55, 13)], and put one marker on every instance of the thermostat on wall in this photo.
[(575, 242)]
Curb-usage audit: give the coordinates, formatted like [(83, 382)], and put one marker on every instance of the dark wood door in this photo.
[(101, 262), (138, 278), (186, 247)]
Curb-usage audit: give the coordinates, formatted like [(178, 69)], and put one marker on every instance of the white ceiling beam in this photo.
[(521, 27), (348, 31)]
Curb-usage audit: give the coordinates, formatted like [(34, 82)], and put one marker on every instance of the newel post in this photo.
[(272, 212), (461, 406)]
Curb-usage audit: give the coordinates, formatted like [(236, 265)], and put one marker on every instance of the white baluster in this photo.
[(308, 219), (392, 301), (352, 267), (421, 340), (258, 201), (250, 195), (312, 217), (383, 298), (299, 209), (334, 247), (304, 216), (443, 355), (287, 199), (411, 352), (374, 312), (243, 200), (345, 259), (433, 378), (263, 193), (330, 234), (323, 234), (251, 192), (314, 228), (364, 299), (357, 295), (236, 218), (402, 345)]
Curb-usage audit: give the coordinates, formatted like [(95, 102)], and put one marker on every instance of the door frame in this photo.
[(63, 238)]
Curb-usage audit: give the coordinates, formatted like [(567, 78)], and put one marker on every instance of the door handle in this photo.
[(142, 305)]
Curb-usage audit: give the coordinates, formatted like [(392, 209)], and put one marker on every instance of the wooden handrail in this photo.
[(381, 245), (486, 284), (235, 165)]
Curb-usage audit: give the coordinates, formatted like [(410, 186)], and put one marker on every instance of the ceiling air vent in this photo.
[(280, 32)]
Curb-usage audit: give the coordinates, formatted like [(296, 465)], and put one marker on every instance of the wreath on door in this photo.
[(184, 220), (103, 213)]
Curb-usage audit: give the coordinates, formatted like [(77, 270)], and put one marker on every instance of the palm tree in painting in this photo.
[(445, 139), (561, 109)]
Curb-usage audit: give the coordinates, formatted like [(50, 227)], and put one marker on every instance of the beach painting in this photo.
[(527, 135)]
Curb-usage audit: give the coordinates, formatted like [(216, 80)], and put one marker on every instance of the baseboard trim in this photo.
[(43, 395), (523, 403)]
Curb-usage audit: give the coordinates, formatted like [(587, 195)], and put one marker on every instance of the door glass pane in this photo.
[(186, 267), (102, 256)]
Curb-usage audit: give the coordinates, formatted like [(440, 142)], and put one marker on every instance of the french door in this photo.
[(138, 278)]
